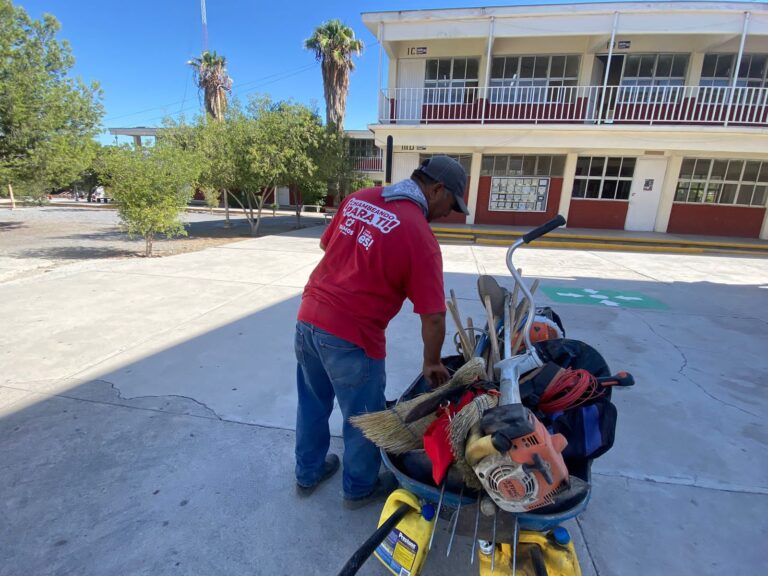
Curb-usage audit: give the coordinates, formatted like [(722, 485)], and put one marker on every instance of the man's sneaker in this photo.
[(329, 469), (384, 487)]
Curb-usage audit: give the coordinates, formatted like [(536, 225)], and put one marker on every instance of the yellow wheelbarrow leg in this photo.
[(538, 554)]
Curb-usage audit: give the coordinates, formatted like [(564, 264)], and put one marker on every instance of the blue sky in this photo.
[(137, 50)]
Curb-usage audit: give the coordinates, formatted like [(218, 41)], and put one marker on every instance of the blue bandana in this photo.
[(406, 190)]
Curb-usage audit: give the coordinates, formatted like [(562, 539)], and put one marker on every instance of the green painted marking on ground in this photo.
[(607, 298)]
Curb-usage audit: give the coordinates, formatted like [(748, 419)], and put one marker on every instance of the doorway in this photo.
[(410, 90), (645, 194), (614, 80)]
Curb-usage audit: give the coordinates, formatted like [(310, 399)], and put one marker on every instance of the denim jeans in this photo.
[(329, 366)]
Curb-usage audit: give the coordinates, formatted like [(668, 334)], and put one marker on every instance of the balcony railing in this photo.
[(367, 163), (576, 104)]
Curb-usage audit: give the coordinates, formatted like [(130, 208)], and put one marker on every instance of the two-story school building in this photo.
[(635, 116)]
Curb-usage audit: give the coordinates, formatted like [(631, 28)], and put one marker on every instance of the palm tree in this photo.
[(212, 79), (334, 44)]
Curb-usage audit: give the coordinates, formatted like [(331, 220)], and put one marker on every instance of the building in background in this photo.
[(637, 116)]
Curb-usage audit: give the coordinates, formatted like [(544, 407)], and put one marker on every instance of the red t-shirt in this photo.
[(377, 254)]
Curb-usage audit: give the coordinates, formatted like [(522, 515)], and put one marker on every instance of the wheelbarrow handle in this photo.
[(622, 379), (556, 222), (364, 552)]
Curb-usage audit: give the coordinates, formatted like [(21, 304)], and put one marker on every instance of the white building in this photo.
[(637, 116)]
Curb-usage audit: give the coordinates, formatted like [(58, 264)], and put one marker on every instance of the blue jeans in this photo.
[(329, 366)]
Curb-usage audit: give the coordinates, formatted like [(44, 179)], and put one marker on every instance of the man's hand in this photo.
[(436, 374), (433, 333)]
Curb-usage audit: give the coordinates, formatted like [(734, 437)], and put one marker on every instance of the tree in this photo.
[(47, 119), (152, 186), (334, 44), (289, 147), (212, 79)]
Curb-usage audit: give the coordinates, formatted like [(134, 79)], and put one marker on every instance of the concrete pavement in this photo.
[(147, 408)]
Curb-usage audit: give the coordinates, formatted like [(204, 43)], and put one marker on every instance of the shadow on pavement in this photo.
[(6, 226), (181, 461), (76, 253)]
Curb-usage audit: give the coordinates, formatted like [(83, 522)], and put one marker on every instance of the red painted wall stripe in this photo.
[(716, 220), (606, 214)]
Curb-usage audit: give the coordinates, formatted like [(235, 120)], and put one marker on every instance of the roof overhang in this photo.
[(139, 131), (571, 20)]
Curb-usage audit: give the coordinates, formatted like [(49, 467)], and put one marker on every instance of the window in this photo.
[(604, 178), (648, 77), (363, 148), (533, 78), (464, 159), (451, 80), (523, 166), (713, 181), (717, 70)]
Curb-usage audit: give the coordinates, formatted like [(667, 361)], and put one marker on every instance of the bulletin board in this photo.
[(518, 194)]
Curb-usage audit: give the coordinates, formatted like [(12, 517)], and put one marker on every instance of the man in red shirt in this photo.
[(379, 250)]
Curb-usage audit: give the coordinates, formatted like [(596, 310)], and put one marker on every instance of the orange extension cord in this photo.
[(572, 388)]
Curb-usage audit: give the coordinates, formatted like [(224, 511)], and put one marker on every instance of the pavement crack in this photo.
[(686, 481), (160, 396), (586, 546), (684, 365)]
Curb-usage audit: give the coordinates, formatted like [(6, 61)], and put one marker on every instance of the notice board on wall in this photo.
[(518, 194)]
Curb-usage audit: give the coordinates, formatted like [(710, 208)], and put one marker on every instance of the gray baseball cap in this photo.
[(446, 170)]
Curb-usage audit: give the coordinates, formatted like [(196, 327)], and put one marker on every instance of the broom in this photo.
[(459, 428), (393, 430)]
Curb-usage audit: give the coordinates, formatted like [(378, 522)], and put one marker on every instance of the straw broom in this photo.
[(389, 430), (459, 428)]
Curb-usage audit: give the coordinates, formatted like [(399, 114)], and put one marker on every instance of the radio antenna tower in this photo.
[(205, 25)]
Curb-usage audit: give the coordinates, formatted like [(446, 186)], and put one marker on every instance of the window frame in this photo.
[(703, 184), (741, 81), (369, 148), (529, 90), (556, 160), (458, 90), (602, 178), (464, 159), (642, 89)]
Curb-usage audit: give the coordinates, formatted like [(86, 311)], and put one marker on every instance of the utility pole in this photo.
[(205, 25)]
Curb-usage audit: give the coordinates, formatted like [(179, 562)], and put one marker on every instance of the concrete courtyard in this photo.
[(147, 413)]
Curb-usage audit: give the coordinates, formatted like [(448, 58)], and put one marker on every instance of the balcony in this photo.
[(367, 163), (694, 105)]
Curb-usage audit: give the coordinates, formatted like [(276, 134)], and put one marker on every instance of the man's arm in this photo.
[(433, 334)]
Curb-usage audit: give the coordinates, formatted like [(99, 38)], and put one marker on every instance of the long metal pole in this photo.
[(488, 61), (204, 16), (380, 38), (738, 65), (608, 66)]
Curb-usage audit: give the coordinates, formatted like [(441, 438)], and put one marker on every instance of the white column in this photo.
[(488, 60), (695, 62), (764, 229), (381, 51), (569, 172), (403, 165), (474, 184), (664, 211)]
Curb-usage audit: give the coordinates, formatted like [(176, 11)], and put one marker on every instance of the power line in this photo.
[(236, 87), (278, 76), (284, 77)]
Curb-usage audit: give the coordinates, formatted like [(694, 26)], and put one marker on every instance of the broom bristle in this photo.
[(388, 429), (459, 428)]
